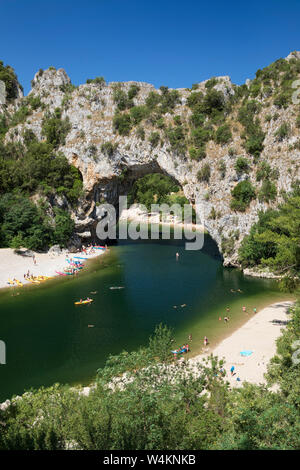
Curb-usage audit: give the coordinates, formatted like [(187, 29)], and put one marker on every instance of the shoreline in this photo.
[(14, 266), (135, 214), (258, 335)]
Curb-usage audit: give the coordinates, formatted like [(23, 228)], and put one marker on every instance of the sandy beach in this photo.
[(259, 336), (136, 214), (13, 265)]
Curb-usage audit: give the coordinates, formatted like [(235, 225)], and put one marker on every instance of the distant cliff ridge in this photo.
[(235, 149)]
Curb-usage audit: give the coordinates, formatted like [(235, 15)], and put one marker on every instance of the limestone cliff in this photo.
[(108, 171)]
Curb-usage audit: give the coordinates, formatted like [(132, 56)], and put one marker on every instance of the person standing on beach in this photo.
[(177, 256), (232, 370)]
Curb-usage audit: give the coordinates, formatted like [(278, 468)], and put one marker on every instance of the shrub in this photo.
[(211, 83), (55, 129), (108, 148), (264, 171), (222, 168), (283, 131), (197, 153), (133, 91), (122, 123), (227, 245), (8, 76), (223, 134), (231, 152), (20, 115), (138, 113), (97, 81), (154, 139), (140, 133), (267, 192), (241, 165), (242, 195), (176, 138), (204, 173), (121, 99)]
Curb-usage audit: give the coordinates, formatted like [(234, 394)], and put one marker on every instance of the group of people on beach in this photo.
[(183, 349), (28, 276)]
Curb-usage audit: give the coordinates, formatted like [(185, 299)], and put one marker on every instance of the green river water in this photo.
[(48, 339)]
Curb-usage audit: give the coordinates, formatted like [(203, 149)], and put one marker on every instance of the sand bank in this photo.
[(13, 265), (136, 214), (258, 335)]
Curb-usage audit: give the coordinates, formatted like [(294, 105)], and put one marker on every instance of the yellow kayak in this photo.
[(11, 282), (19, 283), (84, 302)]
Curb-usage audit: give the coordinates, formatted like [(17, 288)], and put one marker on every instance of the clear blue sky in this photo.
[(174, 43)]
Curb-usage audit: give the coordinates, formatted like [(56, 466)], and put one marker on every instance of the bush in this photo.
[(138, 113), (222, 168), (122, 123), (268, 191), (97, 81), (108, 148), (242, 195), (264, 171), (176, 137), (283, 131), (204, 173), (211, 83), (227, 245), (154, 139), (133, 91), (241, 165), (223, 134), (55, 129), (8, 76), (121, 99), (197, 153), (140, 133), (274, 240), (20, 115), (160, 344)]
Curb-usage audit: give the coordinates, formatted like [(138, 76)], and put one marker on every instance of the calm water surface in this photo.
[(48, 339)]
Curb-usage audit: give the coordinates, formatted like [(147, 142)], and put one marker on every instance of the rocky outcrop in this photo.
[(91, 109)]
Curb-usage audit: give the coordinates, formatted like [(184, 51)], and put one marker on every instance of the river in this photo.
[(48, 339)]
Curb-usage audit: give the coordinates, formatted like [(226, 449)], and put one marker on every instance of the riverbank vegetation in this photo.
[(32, 175), (274, 241), (160, 405)]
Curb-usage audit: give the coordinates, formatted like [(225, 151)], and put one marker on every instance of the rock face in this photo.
[(91, 109)]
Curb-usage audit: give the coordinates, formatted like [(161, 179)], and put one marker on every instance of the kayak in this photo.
[(84, 302), (79, 257)]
